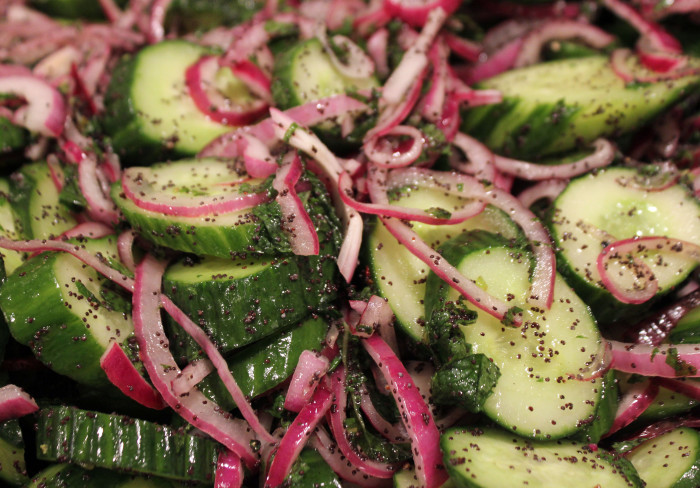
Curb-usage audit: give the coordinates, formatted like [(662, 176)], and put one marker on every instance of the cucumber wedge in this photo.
[(73, 476), (9, 227), (535, 395), (491, 458), (671, 460), (13, 468), (398, 275), (617, 207), (557, 106)]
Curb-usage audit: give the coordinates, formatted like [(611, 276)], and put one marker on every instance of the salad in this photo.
[(411, 243)]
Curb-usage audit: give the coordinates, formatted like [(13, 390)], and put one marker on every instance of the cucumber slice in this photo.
[(9, 227), (687, 330), (619, 209), (60, 308), (266, 364), (491, 458), (406, 478), (534, 395), (671, 460), (73, 9), (13, 139), (198, 15), (556, 106), (68, 434), (398, 275), (149, 114), (311, 471), (666, 404), (13, 469), (604, 417), (72, 476), (35, 200)]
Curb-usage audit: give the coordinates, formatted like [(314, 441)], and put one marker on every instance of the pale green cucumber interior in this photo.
[(534, 395), (8, 228), (606, 206), (49, 218), (212, 269), (663, 460)]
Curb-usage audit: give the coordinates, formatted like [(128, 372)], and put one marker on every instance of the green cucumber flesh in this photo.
[(68, 434), (671, 460), (667, 403), (556, 106), (534, 396), (406, 478), (398, 275), (74, 476), (616, 208), (13, 469), (491, 458), (197, 15), (311, 471), (9, 227)]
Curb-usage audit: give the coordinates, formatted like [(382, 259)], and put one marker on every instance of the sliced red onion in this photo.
[(665, 176), (378, 49), (495, 64), (464, 48), (603, 155), (655, 329), (417, 12), (415, 413), (658, 38), (198, 410), (145, 195), (199, 80), (374, 314), (659, 61), (434, 101), (210, 349), (337, 418), (481, 159), (634, 403), (558, 30), (111, 10), (475, 98), (255, 79), (667, 425), (307, 375), (330, 167), (259, 163), (81, 90), (387, 155), (504, 8), (57, 64), (15, 403), (100, 206), (125, 245), (687, 387), (357, 63), (414, 61), (122, 373), (392, 115), (57, 175), (92, 230), (229, 470), (45, 111), (393, 433), (156, 20), (664, 360), (547, 189), (191, 375), (375, 17), (297, 436)]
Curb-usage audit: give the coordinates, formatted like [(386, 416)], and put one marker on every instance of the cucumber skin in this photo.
[(12, 139), (311, 471), (73, 476), (604, 416), (267, 363), (13, 468), (73, 9), (68, 434), (194, 15)]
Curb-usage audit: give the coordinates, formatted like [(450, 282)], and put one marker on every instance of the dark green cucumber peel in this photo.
[(13, 468), (311, 471), (266, 364), (68, 434), (599, 424), (73, 476), (73, 9), (557, 106), (196, 15), (12, 140)]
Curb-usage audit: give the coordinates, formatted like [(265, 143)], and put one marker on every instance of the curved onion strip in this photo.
[(310, 368), (547, 189), (418, 13), (377, 48), (296, 222), (603, 155), (122, 373), (393, 433), (259, 163), (392, 115), (156, 20), (357, 65), (162, 368), (481, 159), (202, 339), (598, 364), (414, 61), (92, 230), (655, 329), (125, 245), (665, 360), (557, 30), (145, 196), (342, 466), (191, 375), (691, 389), (100, 206), (659, 39), (45, 111), (663, 426), (382, 154), (464, 48), (628, 250), (310, 144), (434, 101), (229, 470), (633, 404), (199, 78), (620, 64), (659, 61), (297, 435), (255, 79), (15, 403), (75, 250), (415, 413), (664, 176), (337, 415), (470, 210), (496, 63)]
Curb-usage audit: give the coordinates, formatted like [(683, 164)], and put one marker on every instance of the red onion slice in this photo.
[(259, 163), (481, 159), (122, 373), (547, 189), (417, 12), (689, 388), (229, 470), (464, 48), (45, 112), (156, 20), (378, 49), (92, 230), (146, 195), (296, 437), (633, 404), (495, 64), (296, 222), (255, 79), (415, 413), (100, 206), (162, 368), (658, 38), (391, 432), (125, 245), (665, 360), (191, 375), (15, 403), (307, 375), (357, 64), (387, 155)]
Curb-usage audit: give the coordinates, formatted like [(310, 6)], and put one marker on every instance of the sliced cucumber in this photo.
[(491, 458), (398, 275), (73, 476), (68, 434), (13, 468), (63, 310), (534, 396), (556, 106), (406, 478), (617, 207), (149, 113), (35, 200), (594, 429), (9, 227), (12, 140), (671, 460), (73, 9), (687, 330), (311, 471), (197, 15), (667, 402)]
